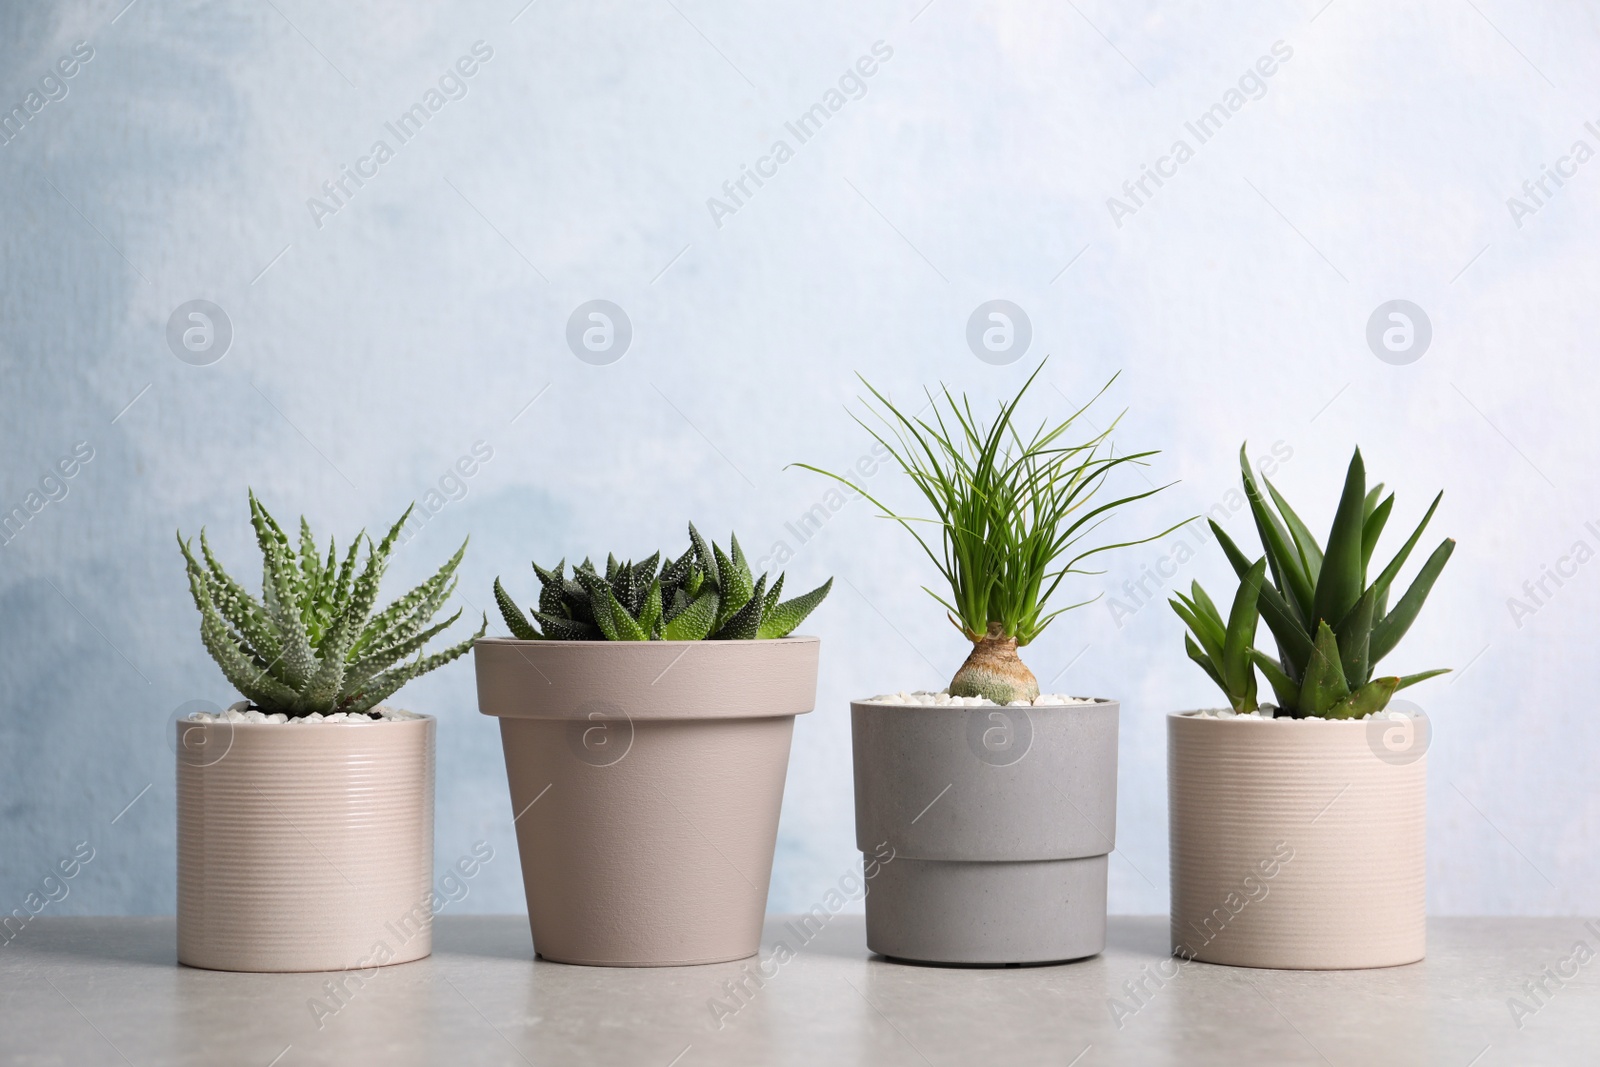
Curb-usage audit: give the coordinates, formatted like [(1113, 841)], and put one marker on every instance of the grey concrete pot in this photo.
[(1001, 821)]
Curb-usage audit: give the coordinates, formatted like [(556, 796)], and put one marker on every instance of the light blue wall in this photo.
[(426, 313)]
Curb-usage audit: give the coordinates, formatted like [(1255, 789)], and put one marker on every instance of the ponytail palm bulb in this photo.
[(1013, 511)]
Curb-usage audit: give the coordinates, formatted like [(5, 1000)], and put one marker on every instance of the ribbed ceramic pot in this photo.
[(305, 847), (646, 780), (1000, 821), (1297, 843)]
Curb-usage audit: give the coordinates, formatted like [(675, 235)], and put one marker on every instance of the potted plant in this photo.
[(1298, 832), (999, 802), (646, 715), (305, 811)]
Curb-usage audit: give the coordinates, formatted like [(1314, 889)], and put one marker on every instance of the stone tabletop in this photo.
[(1492, 991)]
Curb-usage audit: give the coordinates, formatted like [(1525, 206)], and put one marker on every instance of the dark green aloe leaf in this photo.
[(745, 623), (694, 622), (1290, 577), (785, 616), (1392, 571), (1340, 585), (1372, 528), (1387, 634), (516, 621), (559, 629), (1355, 640), (1283, 687), (1323, 685), (1310, 551), (1421, 676), (1241, 634), (612, 567), (1202, 600), (1280, 616), (1371, 697), (1206, 625), (1201, 658)]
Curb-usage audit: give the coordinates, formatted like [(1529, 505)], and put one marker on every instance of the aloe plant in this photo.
[(703, 594), (311, 643), (1012, 513), (1331, 626)]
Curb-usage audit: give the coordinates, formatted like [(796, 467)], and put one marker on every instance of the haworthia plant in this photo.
[(703, 594), (311, 643), (1331, 626)]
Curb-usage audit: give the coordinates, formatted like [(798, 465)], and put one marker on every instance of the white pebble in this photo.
[(254, 716), (233, 716)]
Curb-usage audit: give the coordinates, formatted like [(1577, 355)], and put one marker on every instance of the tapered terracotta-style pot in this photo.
[(1297, 843), (1001, 821), (646, 779), (305, 847)]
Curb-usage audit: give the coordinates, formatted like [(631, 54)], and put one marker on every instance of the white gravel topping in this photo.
[(943, 699), (243, 712), (1267, 711)]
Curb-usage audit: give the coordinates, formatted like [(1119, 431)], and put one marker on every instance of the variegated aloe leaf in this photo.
[(310, 641)]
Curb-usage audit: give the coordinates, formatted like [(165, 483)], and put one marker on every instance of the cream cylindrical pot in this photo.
[(1298, 843), (646, 779), (305, 847)]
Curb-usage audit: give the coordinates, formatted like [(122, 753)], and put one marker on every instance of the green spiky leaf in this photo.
[(782, 618), (695, 621)]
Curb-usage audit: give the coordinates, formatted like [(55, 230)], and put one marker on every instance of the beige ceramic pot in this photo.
[(646, 779), (1297, 843), (304, 847)]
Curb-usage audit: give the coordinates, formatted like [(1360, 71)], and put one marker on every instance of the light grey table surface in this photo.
[(107, 991)]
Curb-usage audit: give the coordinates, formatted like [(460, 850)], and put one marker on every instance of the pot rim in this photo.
[(541, 643), (646, 680)]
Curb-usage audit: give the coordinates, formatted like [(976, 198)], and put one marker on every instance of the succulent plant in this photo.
[(704, 594), (1012, 513), (1331, 626), (311, 644)]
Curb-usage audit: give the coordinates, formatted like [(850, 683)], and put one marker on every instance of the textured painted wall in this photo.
[(601, 151)]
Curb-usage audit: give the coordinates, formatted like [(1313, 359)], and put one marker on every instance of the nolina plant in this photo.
[(311, 643), (1331, 626), (705, 593), (1012, 512)]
